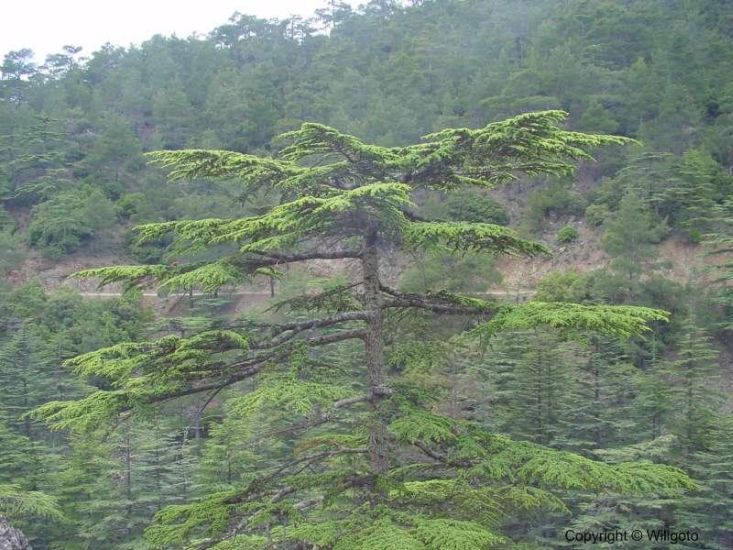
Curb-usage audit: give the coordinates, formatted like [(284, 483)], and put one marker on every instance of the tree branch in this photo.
[(307, 424), (440, 457), (249, 367), (302, 462), (296, 327), (275, 258), (403, 300)]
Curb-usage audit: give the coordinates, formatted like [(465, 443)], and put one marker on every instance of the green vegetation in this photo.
[(392, 174), (343, 200), (567, 234)]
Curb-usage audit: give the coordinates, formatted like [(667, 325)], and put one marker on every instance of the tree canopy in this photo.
[(374, 462)]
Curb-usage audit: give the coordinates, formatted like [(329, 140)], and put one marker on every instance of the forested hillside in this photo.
[(373, 176)]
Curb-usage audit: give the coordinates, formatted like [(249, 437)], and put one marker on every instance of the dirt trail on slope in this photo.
[(680, 261)]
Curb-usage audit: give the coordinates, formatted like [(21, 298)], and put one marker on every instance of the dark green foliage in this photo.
[(719, 243), (41, 331), (469, 272), (681, 191), (596, 214), (629, 238), (62, 224), (389, 76), (73, 177), (695, 401), (347, 476), (475, 207), (531, 379), (708, 508), (555, 201)]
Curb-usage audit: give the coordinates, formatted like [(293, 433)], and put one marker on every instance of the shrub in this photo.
[(129, 204), (564, 286), (556, 200), (60, 225), (567, 234), (474, 206), (597, 214)]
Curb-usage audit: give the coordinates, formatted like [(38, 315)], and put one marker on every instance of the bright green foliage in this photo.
[(533, 464), (176, 523), (382, 534), (618, 320), (529, 144), (356, 428), (141, 373), (388, 72), (427, 534), (418, 425), (472, 237), (242, 542), (194, 164), (286, 394)]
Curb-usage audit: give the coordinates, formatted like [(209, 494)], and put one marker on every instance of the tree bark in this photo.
[(374, 352)]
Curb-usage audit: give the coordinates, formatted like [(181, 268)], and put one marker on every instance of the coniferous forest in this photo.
[(425, 275)]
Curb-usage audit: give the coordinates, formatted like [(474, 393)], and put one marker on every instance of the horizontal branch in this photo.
[(256, 485), (322, 418), (274, 258), (413, 217), (404, 300), (287, 331), (253, 365), (439, 457), (436, 308)]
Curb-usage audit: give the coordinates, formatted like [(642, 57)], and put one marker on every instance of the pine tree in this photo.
[(88, 492), (719, 243), (686, 428), (537, 390), (606, 388), (709, 508), (25, 372), (629, 238), (374, 463), (695, 378)]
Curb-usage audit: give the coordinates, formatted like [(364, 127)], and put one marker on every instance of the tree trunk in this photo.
[(373, 348)]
